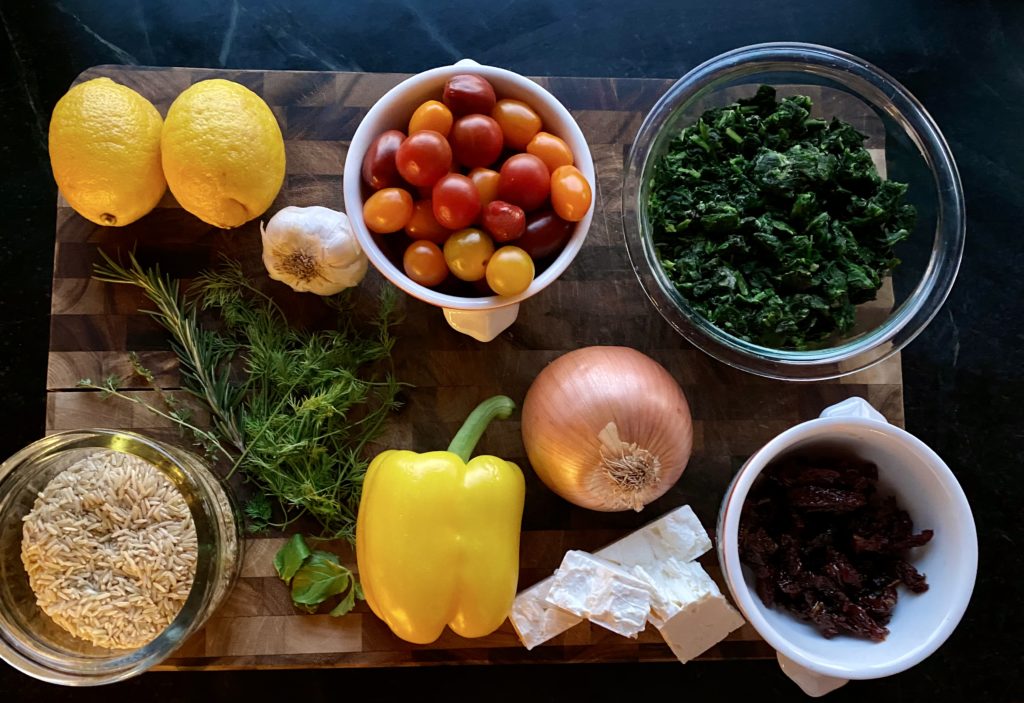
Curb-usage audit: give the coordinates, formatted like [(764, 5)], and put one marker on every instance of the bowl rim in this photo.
[(934, 469), (124, 664), (869, 348), (353, 187)]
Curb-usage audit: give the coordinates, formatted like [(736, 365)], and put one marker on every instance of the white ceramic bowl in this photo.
[(482, 318), (924, 487)]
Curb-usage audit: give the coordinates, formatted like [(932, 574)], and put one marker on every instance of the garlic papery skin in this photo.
[(312, 250)]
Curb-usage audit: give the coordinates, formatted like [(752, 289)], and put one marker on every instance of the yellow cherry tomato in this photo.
[(554, 152), (486, 182), (510, 271), (388, 210), (467, 253), (570, 193), (433, 115), (518, 122)]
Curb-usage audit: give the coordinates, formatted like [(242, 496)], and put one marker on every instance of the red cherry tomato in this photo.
[(570, 193), (423, 224), (525, 181), (509, 271), (546, 234), (476, 140), (431, 115), (553, 151), (424, 263), (486, 182), (379, 167), (387, 210), (504, 221), (456, 202), (518, 122), (423, 158), (469, 93)]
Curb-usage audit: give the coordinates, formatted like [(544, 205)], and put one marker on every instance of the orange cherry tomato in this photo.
[(518, 122), (433, 115), (486, 182), (424, 263), (387, 210), (570, 193), (510, 271), (423, 224), (553, 151)]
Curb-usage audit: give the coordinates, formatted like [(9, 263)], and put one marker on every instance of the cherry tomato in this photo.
[(486, 182), (518, 122), (467, 253), (387, 210), (504, 221), (379, 168), (546, 233), (510, 271), (424, 263), (476, 140), (455, 200), (468, 93), (525, 181), (553, 151), (424, 157), (432, 115), (423, 224), (570, 193)]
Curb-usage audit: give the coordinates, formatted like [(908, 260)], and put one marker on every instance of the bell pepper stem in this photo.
[(498, 407)]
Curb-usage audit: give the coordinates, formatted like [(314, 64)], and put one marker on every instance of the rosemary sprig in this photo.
[(298, 422)]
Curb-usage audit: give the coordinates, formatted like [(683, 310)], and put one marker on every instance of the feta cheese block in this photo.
[(674, 584), (678, 535), (699, 626), (535, 620), (602, 592)]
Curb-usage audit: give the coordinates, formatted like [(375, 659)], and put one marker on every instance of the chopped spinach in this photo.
[(774, 225)]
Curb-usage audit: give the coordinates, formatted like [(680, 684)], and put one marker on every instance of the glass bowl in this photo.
[(906, 146), (29, 640)]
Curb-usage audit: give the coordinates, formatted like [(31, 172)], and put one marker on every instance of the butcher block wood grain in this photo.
[(597, 301)]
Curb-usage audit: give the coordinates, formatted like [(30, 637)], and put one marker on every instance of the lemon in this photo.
[(222, 152), (105, 152)]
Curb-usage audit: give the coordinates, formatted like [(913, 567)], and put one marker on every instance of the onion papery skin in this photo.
[(575, 399)]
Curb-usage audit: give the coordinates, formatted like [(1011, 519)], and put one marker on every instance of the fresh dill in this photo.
[(292, 409)]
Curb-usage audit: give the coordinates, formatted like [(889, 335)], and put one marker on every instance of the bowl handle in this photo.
[(810, 682), (854, 407), (466, 62), (482, 325)]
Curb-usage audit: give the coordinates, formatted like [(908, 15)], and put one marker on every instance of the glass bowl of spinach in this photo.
[(793, 211)]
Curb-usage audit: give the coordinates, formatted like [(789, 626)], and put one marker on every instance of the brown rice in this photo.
[(110, 550)]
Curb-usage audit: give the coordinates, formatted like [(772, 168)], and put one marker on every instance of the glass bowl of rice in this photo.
[(114, 550)]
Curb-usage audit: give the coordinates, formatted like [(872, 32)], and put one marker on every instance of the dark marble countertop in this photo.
[(964, 385)]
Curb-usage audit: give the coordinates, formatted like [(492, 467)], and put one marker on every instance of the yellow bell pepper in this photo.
[(437, 535)]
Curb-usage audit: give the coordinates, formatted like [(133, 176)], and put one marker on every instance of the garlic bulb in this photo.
[(312, 249)]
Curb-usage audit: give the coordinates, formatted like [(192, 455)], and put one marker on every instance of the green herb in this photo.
[(772, 224), (290, 557), (315, 577), (294, 410)]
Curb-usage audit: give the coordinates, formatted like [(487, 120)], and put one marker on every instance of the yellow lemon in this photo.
[(222, 152), (105, 152)]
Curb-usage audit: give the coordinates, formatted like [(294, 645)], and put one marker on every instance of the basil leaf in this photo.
[(290, 557), (321, 577)]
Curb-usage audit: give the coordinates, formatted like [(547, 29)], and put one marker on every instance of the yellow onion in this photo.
[(607, 428)]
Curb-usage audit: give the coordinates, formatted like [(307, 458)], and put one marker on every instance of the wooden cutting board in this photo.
[(597, 301)]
